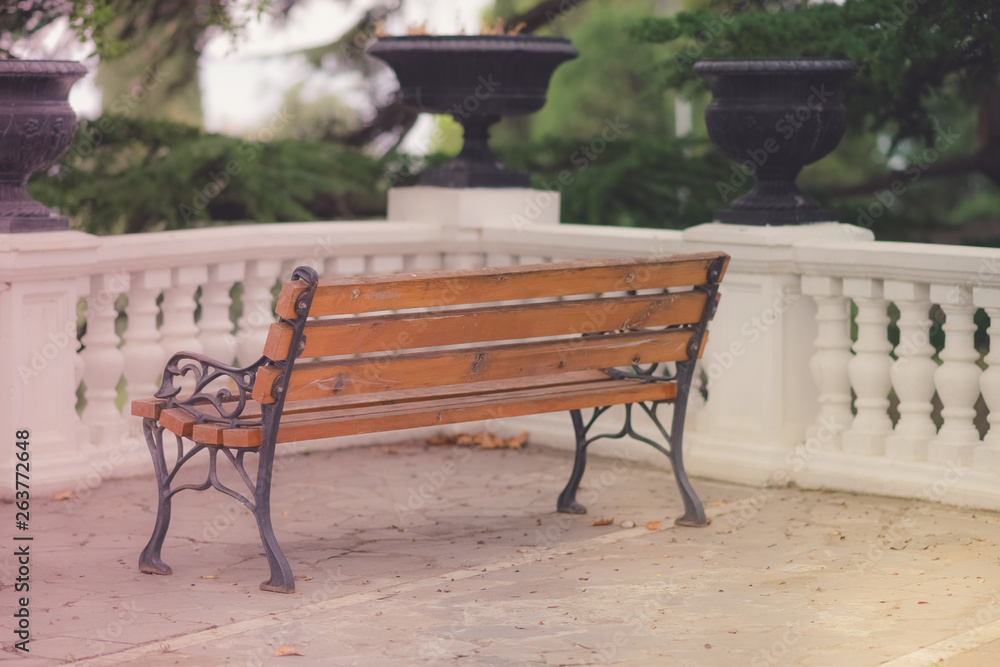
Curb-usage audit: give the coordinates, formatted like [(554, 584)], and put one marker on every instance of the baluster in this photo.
[(869, 369), (988, 456), (217, 339), (380, 264), (351, 265), (465, 260), (829, 362), (143, 354), (500, 259), (258, 309), (103, 361), (179, 332), (423, 261), (912, 373), (957, 379)]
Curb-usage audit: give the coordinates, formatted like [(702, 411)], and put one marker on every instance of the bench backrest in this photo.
[(406, 332)]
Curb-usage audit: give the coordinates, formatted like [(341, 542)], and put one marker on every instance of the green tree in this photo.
[(926, 69), (146, 164)]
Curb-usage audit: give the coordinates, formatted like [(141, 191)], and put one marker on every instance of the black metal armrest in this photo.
[(205, 370)]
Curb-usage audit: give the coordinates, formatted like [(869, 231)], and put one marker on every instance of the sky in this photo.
[(243, 84)]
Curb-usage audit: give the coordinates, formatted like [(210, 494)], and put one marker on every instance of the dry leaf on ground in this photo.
[(63, 495), (482, 440), (652, 525), (286, 650), (603, 522)]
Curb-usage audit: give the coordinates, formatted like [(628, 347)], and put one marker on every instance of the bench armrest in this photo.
[(204, 371)]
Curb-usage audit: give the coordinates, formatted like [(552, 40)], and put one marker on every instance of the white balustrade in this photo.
[(869, 369), (988, 456), (957, 378), (103, 361), (829, 363), (912, 372), (832, 263), (143, 355)]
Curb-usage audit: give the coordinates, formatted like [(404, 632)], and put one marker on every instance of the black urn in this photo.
[(477, 79), (38, 125), (773, 117)]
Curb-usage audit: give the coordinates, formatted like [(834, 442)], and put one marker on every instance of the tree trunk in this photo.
[(157, 77)]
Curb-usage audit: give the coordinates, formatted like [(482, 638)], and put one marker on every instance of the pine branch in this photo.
[(541, 14), (960, 165)]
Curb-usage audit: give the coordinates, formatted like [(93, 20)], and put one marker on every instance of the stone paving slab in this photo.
[(415, 555)]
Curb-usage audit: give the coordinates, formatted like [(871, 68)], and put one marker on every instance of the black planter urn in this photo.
[(477, 79), (38, 125), (773, 117)]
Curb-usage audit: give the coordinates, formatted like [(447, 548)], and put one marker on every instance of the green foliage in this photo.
[(631, 182), (642, 177), (907, 51), (131, 175)]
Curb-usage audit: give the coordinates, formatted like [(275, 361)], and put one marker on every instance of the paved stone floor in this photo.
[(416, 555)]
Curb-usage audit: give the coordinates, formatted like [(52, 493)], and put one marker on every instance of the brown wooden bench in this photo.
[(408, 350)]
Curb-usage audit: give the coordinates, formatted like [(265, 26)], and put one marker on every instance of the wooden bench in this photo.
[(408, 350)]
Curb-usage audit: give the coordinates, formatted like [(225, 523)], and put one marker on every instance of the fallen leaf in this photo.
[(714, 503), (286, 650), (209, 576), (63, 495), (440, 440), (627, 524), (921, 602), (708, 646), (652, 525), (603, 522)]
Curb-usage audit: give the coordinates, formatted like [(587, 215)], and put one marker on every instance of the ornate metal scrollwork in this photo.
[(204, 371)]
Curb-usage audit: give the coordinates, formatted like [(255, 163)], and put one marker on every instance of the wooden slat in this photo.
[(444, 288), (211, 434), (493, 362), (372, 419), (178, 421), (148, 408), (377, 333)]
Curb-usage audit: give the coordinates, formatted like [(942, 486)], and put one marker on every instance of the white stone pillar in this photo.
[(39, 289), (869, 369), (912, 373), (828, 364), (761, 394), (179, 333), (103, 362), (957, 379), (143, 354), (216, 327), (258, 309)]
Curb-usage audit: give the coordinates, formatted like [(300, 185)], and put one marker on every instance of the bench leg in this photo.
[(694, 512), (567, 499), (282, 580), (149, 559)]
